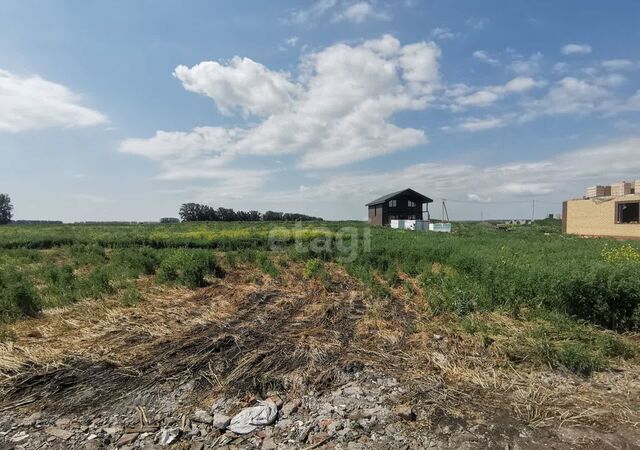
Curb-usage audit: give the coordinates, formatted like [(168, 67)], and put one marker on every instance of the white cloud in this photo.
[(526, 66), (483, 56), (490, 94), (32, 103), (345, 10), (617, 64), (318, 9), (242, 84), (568, 96), (338, 111), (442, 34), (475, 124), (554, 180), (288, 43), (360, 12), (576, 49)]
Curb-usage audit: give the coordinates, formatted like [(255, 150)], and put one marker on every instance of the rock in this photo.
[(275, 398), (406, 412), (220, 421), (167, 436), (352, 391), (92, 445), (31, 420), (197, 446), (269, 444), (290, 407), (19, 437), (59, 433), (334, 427), (201, 416), (112, 430), (285, 424), (318, 438), (63, 423), (127, 439)]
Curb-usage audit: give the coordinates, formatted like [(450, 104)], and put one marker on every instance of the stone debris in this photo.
[(221, 421), (59, 433), (363, 410), (168, 436)]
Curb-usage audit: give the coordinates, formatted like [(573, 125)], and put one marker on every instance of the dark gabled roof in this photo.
[(384, 198)]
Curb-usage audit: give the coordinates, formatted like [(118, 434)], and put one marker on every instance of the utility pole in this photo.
[(444, 210), (533, 209)]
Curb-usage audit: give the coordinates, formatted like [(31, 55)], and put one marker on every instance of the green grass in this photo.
[(565, 284)]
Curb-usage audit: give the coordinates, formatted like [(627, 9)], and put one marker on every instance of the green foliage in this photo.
[(265, 263), (131, 296), (6, 209), (578, 358), (87, 254), (137, 261), (188, 267), (97, 284), (313, 268), (18, 297)]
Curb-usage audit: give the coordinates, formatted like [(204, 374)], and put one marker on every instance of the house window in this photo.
[(411, 217), (411, 204), (628, 212), (393, 203)]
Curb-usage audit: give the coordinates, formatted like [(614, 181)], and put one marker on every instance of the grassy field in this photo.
[(568, 300)]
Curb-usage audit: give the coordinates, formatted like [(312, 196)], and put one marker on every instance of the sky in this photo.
[(123, 110)]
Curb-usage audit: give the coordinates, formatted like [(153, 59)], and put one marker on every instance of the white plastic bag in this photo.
[(247, 420)]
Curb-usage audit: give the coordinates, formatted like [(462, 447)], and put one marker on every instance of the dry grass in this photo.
[(252, 332)]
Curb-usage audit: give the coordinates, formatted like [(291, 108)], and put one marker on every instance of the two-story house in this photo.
[(402, 205)]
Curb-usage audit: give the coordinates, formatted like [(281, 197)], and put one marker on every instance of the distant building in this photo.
[(615, 215), (402, 205)]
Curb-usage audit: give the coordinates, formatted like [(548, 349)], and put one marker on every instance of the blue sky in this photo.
[(124, 110)]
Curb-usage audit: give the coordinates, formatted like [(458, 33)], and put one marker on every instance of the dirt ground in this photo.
[(343, 370)]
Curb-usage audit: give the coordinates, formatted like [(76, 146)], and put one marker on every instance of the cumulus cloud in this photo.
[(360, 12), (32, 103), (337, 111), (241, 84), (576, 49)]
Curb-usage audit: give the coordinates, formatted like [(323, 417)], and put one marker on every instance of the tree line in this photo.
[(195, 212)]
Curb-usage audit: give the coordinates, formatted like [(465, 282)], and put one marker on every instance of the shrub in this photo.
[(18, 297), (97, 283), (313, 268), (188, 267), (137, 261), (578, 359)]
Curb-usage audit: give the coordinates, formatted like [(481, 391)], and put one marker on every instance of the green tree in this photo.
[(6, 209)]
